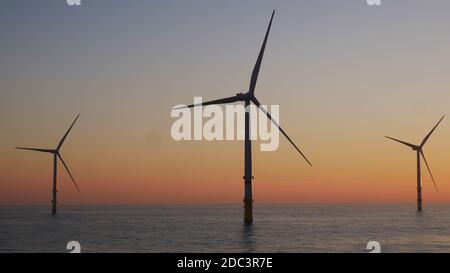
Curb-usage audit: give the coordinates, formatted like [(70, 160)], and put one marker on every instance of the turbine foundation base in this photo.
[(248, 212)]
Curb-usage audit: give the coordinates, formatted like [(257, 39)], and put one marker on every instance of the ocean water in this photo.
[(321, 228)]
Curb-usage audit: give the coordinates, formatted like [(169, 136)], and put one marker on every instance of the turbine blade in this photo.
[(255, 72), (67, 169), (36, 150), (256, 102), (429, 170), (403, 142), (429, 134), (67, 133), (219, 101)]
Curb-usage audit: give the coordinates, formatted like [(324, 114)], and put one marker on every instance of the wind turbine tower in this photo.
[(248, 98), (420, 153), (56, 155)]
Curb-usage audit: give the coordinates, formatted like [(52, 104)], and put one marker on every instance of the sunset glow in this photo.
[(341, 86)]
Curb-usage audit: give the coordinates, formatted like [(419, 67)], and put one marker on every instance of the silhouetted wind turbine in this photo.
[(56, 155), (247, 98), (419, 150)]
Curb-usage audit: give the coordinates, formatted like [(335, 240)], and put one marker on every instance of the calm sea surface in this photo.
[(324, 228)]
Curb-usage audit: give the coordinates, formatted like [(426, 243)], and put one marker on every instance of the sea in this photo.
[(220, 229)]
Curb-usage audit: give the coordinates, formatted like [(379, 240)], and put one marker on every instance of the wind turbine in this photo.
[(419, 151), (56, 156), (249, 98)]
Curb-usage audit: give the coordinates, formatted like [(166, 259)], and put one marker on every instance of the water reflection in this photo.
[(248, 238)]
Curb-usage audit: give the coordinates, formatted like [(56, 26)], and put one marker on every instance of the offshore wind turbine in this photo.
[(248, 98), (56, 155), (420, 153)]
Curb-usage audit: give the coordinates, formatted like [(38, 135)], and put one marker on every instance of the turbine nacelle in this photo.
[(245, 96)]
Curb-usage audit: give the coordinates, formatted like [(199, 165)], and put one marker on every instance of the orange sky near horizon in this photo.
[(371, 170)]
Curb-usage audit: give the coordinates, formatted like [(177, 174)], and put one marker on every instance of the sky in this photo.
[(344, 74)]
